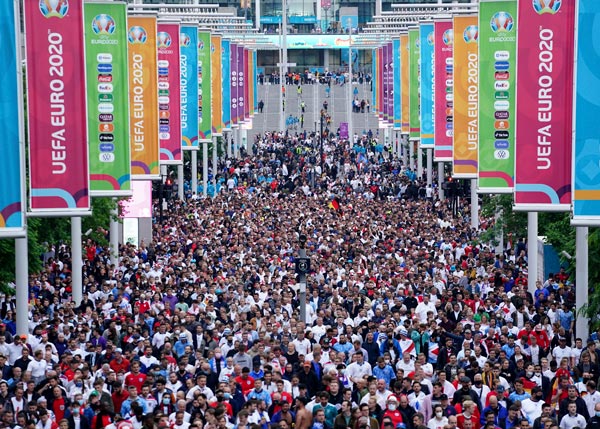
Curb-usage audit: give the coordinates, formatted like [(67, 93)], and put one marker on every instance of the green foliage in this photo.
[(510, 224), (592, 308)]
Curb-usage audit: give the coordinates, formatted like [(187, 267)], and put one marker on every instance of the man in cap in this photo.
[(465, 392)]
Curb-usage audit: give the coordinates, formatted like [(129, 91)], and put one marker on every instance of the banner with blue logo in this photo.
[(397, 90), (586, 156), (12, 220), (188, 40), (374, 80), (426, 81), (226, 70)]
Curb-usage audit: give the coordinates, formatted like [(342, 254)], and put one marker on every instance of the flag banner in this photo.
[(225, 84), (404, 83), (397, 91), (241, 84), (234, 84), (413, 79), (216, 85), (543, 141), (386, 84), (188, 40), (169, 105), (204, 80), (12, 210), (374, 82), (497, 89), (426, 41), (466, 97), (107, 72), (381, 104), (56, 107), (390, 71), (139, 205), (255, 80), (143, 98), (443, 95), (247, 84), (586, 175)]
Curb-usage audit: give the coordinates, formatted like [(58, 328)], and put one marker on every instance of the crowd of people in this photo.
[(411, 321)]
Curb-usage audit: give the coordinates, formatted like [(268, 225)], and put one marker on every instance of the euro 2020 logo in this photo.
[(54, 8), (164, 39), (502, 22), (103, 25), (471, 34), (546, 6), (137, 35), (448, 37), (430, 39), (184, 40)]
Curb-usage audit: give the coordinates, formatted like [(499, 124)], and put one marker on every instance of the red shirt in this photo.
[(247, 384), (118, 399), (119, 366), (136, 380), (395, 415), (460, 421), (59, 407)]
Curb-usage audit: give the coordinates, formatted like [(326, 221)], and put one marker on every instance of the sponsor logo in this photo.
[(164, 121), (430, 39), (501, 125), (501, 105), (103, 24), (164, 115), (162, 92), (449, 82), (54, 8), (105, 117), (501, 154), (449, 126), (449, 119), (502, 114), (502, 75), (164, 128), (448, 37), (163, 71), (164, 136), (450, 104), (104, 68), (106, 137), (163, 79), (163, 107), (502, 22), (137, 35), (449, 111), (106, 128), (105, 88), (449, 97), (501, 85), (501, 135), (163, 39), (105, 98), (163, 63), (501, 95), (107, 157), (106, 78), (106, 147), (450, 61), (184, 40), (501, 144), (449, 133), (104, 58), (502, 55), (163, 85), (471, 34), (449, 69), (163, 100), (546, 6), (501, 65), (106, 108)]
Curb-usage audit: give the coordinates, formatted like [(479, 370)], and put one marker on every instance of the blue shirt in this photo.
[(386, 373), (126, 407)]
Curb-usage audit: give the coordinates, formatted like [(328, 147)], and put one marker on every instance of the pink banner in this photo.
[(544, 105), (169, 92), (444, 81), (140, 203), (235, 112), (58, 151), (382, 105)]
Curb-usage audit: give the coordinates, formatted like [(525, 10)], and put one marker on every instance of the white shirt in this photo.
[(591, 399), (37, 368), (356, 370), (532, 409)]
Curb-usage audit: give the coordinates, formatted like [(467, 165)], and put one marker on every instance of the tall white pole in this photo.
[(215, 161), (474, 205), (404, 143), (22, 285), (349, 85), (441, 181), (532, 251), (419, 161), (180, 182), (237, 141), (429, 167), (114, 234), (195, 172), (205, 168), (77, 258), (582, 280), (411, 154), (227, 137)]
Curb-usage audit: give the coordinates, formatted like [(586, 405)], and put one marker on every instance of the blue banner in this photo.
[(586, 156), (426, 88), (374, 80), (397, 91), (12, 221), (189, 86), (226, 71)]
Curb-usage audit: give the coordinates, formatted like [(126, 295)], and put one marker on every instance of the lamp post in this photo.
[(349, 88), (302, 268), (321, 143)]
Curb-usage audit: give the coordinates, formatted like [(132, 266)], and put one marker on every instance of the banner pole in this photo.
[(581, 278), (22, 289), (76, 258), (205, 168), (429, 167), (180, 181), (194, 172), (114, 235), (440, 181), (474, 205), (532, 255), (215, 161), (419, 162)]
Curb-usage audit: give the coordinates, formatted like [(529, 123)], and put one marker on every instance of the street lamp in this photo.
[(321, 142), (302, 268)]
